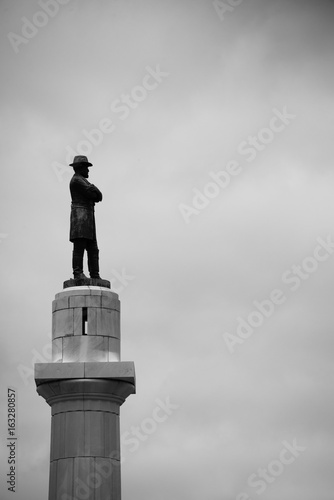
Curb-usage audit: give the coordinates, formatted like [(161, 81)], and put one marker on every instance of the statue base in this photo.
[(87, 282)]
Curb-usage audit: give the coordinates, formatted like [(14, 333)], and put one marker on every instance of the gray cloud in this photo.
[(191, 281)]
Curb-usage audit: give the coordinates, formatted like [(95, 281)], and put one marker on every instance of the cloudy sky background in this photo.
[(190, 282)]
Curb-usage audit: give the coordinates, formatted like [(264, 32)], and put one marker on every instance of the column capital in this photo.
[(91, 380)]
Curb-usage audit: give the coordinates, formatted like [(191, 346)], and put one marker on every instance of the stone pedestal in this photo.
[(86, 282), (85, 385)]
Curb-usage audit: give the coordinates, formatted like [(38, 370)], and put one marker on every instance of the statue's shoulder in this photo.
[(78, 179)]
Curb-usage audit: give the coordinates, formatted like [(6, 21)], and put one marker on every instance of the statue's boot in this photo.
[(77, 264), (93, 263)]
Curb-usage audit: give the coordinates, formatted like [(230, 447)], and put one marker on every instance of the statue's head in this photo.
[(80, 165)]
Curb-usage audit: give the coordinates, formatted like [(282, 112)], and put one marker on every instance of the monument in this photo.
[(86, 382)]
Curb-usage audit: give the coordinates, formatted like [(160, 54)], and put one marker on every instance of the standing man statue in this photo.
[(82, 229)]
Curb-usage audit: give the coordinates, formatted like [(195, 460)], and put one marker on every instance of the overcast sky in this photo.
[(210, 130)]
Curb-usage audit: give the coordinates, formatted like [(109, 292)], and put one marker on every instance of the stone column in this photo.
[(85, 385)]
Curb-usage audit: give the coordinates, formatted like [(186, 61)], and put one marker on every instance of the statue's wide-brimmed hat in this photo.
[(80, 160)]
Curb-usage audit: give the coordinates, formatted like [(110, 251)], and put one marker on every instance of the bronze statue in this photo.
[(82, 228)]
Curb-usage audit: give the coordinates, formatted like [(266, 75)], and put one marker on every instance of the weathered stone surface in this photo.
[(94, 433), (93, 301), (61, 303), (122, 370), (78, 300), (87, 282), (47, 373), (75, 428), (85, 348), (108, 322), (63, 478), (111, 485), (54, 371), (58, 437), (112, 440), (62, 323)]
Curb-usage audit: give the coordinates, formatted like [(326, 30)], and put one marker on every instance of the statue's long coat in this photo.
[(84, 196)]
